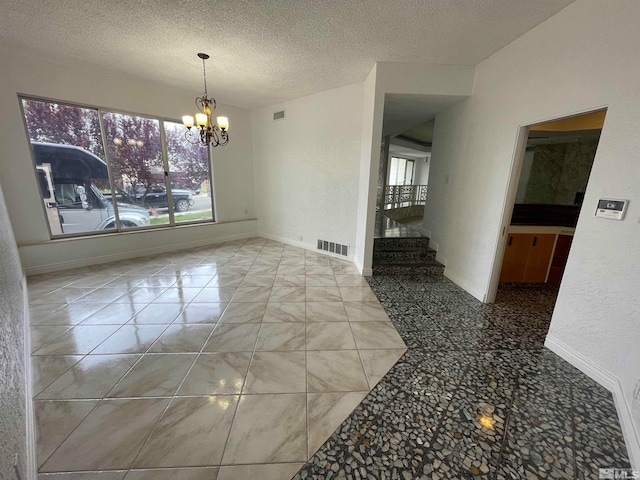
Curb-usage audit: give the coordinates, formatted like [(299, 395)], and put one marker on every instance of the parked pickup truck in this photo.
[(73, 203)]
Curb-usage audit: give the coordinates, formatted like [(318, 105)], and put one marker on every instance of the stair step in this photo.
[(396, 269), (400, 244), (420, 257)]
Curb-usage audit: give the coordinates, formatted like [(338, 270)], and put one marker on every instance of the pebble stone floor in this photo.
[(476, 396), (233, 361)]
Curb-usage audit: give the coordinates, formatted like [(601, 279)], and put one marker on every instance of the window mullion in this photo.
[(112, 183), (167, 174)]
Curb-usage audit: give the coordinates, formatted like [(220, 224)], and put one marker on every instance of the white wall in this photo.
[(421, 172), (582, 58), (306, 167), (29, 73)]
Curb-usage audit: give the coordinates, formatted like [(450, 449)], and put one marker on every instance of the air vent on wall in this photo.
[(333, 247), (278, 115)]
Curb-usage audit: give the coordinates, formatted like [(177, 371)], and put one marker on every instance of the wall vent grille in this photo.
[(278, 115), (333, 247)]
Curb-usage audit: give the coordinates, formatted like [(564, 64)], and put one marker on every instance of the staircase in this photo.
[(404, 256)]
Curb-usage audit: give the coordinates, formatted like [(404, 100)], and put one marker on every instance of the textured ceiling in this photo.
[(264, 52)]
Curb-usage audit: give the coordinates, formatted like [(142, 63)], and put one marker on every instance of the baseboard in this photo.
[(441, 259), (306, 246), (31, 461), (611, 383), (462, 284), (115, 257), (366, 272)]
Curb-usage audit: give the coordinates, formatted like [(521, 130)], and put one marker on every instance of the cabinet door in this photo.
[(539, 258), (560, 256), (514, 261)]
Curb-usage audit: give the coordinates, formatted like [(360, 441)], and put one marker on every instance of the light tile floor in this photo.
[(234, 361)]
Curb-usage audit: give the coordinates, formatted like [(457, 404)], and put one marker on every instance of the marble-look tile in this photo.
[(192, 432), (253, 280), (195, 281), (155, 281), (326, 312), (79, 340), (65, 315), (233, 338), (178, 295), (351, 280), (323, 294), (276, 372), (325, 412), (216, 373), (55, 420), (330, 336), (114, 314), (269, 471), (281, 336), (215, 295), (335, 371), (252, 295), (293, 268), (262, 270), (131, 339), (157, 314), (201, 313), (243, 313), (377, 363), (182, 338), (62, 295), (365, 312), (274, 438), (287, 295), (91, 377), (376, 335), (192, 473), (224, 279), (290, 280), (357, 294), (155, 375), (140, 295), (114, 475), (42, 335), (321, 281), (285, 312), (45, 370), (123, 426), (318, 269)]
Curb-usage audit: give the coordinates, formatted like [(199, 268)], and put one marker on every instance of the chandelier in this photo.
[(207, 132)]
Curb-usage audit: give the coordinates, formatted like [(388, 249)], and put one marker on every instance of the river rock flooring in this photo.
[(239, 361), (476, 396)]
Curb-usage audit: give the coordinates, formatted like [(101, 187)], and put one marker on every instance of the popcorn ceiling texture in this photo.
[(267, 52), (12, 369)]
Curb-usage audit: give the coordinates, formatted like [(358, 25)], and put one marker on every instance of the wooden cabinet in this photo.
[(559, 261), (527, 257)]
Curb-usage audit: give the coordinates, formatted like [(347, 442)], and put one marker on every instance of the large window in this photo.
[(401, 171), (104, 171)]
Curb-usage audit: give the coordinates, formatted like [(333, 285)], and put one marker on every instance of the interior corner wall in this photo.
[(582, 58), (33, 74), (306, 167), (13, 391)]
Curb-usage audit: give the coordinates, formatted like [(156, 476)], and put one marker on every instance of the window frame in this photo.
[(165, 165)]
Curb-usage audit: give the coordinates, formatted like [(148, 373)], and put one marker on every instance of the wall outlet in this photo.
[(246, 212), (446, 179), (300, 237)]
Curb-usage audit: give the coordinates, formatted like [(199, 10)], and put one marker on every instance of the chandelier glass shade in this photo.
[(206, 132)]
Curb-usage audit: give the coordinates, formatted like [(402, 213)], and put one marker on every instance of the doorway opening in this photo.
[(546, 194)]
